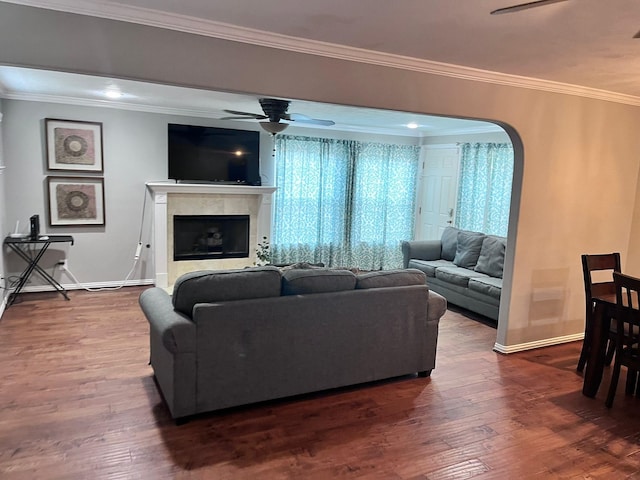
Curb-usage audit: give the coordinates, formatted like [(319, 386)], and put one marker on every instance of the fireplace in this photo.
[(198, 237), (171, 199)]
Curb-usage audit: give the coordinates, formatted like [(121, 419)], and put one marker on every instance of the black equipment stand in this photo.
[(27, 254)]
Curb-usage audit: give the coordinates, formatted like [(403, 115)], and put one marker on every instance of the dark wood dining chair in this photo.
[(591, 264), (628, 333)]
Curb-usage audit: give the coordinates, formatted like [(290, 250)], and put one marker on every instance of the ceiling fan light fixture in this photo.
[(273, 127)]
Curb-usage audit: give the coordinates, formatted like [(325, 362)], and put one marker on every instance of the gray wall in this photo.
[(135, 152)]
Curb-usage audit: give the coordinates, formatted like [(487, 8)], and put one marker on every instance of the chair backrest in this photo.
[(627, 309), (596, 263)]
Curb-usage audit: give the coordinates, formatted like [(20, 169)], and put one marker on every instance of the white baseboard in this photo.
[(75, 286), (547, 342)]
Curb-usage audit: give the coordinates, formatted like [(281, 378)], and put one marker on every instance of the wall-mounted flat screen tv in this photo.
[(216, 155)]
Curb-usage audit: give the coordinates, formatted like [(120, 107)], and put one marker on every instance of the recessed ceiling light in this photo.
[(412, 125), (113, 93)]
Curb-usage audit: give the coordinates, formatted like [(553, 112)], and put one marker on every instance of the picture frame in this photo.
[(75, 201), (74, 145)]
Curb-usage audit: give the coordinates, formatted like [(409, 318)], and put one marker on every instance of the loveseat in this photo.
[(465, 267), (233, 337)]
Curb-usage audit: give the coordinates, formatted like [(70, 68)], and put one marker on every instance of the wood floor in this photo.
[(78, 401)]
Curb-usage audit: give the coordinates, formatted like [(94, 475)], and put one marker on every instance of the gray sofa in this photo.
[(234, 337), (465, 267)]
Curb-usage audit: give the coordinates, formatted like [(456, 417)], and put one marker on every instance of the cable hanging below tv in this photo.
[(199, 154)]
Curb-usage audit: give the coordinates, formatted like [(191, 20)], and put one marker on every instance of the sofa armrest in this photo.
[(177, 331), (421, 250), (437, 306)]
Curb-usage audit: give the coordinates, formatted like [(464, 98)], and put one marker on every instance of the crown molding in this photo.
[(189, 112), (183, 23), (488, 128), (120, 105)]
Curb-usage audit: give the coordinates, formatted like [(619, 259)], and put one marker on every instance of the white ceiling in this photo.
[(579, 44)]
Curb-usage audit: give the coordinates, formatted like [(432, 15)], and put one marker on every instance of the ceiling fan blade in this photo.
[(296, 117), (313, 121), (275, 110), (245, 117), (637, 35), (524, 6), (257, 116)]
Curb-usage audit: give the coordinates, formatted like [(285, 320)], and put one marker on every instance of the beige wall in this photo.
[(577, 165)]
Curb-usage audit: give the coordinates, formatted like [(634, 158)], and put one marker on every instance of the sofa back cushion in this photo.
[(209, 286), (316, 280), (491, 259), (468, 249), (449, 242), (390, 278)]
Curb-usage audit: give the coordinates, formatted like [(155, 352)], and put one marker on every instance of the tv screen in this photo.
[(210, 154)]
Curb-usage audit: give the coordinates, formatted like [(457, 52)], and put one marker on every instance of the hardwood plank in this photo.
[(78, 400)]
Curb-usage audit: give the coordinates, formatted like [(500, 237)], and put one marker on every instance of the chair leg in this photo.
[(584, 354), (586, 343), (630, 385), (611, 350), (614, 384)]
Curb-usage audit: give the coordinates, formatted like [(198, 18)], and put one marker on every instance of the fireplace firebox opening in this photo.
[(198, 237)]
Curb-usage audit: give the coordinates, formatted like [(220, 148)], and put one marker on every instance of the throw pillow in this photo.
[(209, 286), (468, 249), (491, 259), (299, 265), (303, 281), (449, 242), (391, 278)]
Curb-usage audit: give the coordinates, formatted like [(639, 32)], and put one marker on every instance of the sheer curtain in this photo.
[(343, 203), (484, 188)]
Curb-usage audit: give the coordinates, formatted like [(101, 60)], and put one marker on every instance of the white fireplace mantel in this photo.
[(207, 188), (160, 192)]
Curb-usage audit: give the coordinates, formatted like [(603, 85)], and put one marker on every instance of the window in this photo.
[(342, 202), (484, 187)]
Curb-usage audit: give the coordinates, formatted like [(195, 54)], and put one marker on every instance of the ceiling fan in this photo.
[(275, 110), (527, 5)]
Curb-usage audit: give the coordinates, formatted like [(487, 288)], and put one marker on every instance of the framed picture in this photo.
[(76, 201), (74, 146)]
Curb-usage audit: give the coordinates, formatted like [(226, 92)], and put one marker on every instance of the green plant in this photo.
[(263, 253)]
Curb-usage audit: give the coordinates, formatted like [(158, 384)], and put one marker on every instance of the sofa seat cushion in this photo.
[(490, 286), (390, 278), (457, 275), (317, 280), (429, 266), (491, 259), (210, 286)]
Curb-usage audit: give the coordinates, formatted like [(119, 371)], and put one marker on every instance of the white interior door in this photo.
[(438, 191)]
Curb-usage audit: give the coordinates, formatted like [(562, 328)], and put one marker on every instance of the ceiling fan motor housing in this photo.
[(273, 108)]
